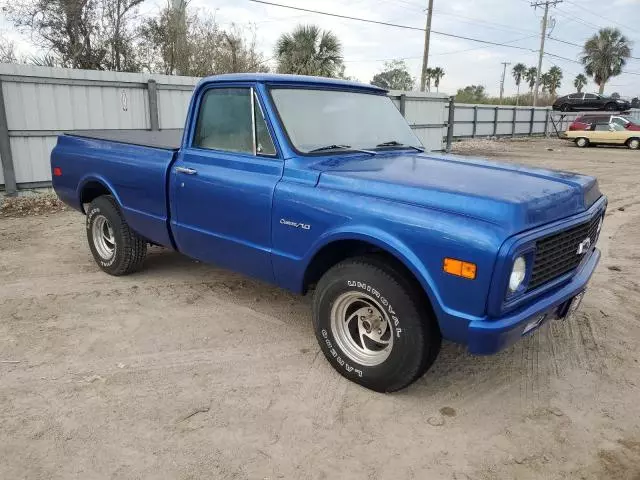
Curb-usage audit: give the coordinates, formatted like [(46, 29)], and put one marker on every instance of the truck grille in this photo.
[(557, 254)]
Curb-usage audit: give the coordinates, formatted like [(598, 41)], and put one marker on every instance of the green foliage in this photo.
[(554, 80), (308, 50), (605, 54), (395, 76), (530, 76), (471, 94), (579, 82), (436, 74), (518, 71)]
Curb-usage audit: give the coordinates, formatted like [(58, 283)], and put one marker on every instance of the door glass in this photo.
[(264, 144), (619, 120), (602, 127), (224, 121), (590, 96)]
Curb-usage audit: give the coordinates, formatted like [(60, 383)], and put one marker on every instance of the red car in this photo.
[(583, 121)]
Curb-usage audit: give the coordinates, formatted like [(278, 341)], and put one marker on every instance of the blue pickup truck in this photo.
[(320, 185)]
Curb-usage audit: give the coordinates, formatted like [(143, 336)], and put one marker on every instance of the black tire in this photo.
[(128, 248), (610, 107), (565, 108), (582, 142), (416, 337), (633, 143)]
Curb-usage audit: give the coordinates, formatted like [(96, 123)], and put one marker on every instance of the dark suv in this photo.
[(590, 101)]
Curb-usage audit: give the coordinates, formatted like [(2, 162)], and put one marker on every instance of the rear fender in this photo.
[(84, 181)]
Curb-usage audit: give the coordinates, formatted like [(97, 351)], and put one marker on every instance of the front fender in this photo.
[(384, 241)]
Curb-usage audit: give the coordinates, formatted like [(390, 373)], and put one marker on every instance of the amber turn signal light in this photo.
[(459, 268)]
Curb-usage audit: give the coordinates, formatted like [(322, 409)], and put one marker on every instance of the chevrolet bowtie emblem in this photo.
[(584, 246)]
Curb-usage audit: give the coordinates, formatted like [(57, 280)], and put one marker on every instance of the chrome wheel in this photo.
[(582, 142), (634, 144), (362, 328), (103, 237)]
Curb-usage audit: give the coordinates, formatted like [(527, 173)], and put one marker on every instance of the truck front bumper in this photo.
[(492, 335)]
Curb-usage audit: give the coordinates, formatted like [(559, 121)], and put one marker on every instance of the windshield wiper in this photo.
[(341, 147), (395, 143)]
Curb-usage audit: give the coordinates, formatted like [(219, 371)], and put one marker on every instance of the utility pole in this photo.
[(178, 17), (504, 73), (425, 57), (543, 35)]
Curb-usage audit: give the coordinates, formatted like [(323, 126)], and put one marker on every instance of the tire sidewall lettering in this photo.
[(89, 224), (365, 287)]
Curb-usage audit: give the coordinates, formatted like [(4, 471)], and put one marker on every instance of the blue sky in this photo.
[(367, 46)]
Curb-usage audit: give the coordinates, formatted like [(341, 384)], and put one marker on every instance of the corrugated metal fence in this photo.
[(39, 103)]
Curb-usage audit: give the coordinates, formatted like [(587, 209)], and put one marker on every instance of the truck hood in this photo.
[(512, 196)]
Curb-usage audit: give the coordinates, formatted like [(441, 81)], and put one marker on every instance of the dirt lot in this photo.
[(185, 371)]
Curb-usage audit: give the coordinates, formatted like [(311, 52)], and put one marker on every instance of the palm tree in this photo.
[(530, 76), (308, 50), (519, 70), (429, 76), (605, 54), (579, 82), (545, 80), (554, 80), (437, 73)]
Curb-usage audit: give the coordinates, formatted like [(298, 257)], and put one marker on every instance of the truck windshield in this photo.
[(315, 119)]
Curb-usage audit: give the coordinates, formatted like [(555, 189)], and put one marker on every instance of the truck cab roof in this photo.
[(284, 79)]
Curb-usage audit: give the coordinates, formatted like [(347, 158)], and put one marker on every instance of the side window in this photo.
[(224, 120), (264, 144), (602, 127), (620, 121), (590, 96)]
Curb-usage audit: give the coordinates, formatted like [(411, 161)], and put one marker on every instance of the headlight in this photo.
[(517, 274)]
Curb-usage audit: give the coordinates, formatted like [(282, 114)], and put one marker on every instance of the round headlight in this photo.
[(517, 274)]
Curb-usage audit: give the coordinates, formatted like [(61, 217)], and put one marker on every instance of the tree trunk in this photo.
[(601, 89), (518, 94)]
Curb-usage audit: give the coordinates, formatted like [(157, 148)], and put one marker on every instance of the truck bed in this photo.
[(169, 139)]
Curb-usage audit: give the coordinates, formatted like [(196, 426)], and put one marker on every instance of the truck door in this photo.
[(223, 181)]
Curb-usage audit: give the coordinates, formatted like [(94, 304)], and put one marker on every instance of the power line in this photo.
[(599, 15), (396, 25)]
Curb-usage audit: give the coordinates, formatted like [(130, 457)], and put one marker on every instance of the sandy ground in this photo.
[(185, 371)]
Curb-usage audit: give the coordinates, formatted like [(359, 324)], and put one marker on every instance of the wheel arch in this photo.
[(636, 137), (92, 187), (340, 246)]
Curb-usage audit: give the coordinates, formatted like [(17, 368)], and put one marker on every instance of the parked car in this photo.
[(605, 133), (320, 185), (590, 101), (584, 121), (635, 102)]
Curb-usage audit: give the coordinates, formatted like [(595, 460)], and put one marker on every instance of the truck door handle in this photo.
[(188, 171)]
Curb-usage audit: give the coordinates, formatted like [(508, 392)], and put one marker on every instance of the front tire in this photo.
[(373, 326), (116, 248), (610, 107), (565, 107), (633, 143), (582, 142)]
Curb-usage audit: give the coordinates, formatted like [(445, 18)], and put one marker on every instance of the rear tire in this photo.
[(116, 248), (565, 108), (633, 143), (373, 326), (610, 107), (582, 142)]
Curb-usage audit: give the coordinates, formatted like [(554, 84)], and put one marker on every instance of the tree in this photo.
[(545, 80), (7, 51), (91, 34), (554, 80), (579, 82), (395, 76), (530, 77), (471, 94), (605, 54), (308, 50), (519, 70), (203, 49), (437, 73)]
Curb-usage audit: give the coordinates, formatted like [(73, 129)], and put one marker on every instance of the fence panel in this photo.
[(42, 102)]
